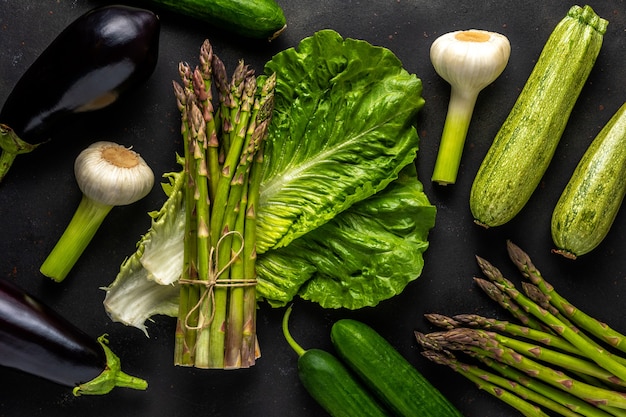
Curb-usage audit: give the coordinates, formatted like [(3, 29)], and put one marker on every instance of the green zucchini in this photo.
[(398, 385), (527, 140), (261, 19), (593, 196), (330, 383)]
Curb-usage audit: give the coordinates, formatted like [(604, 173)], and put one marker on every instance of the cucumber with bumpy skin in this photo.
[(396, 383), (593, 196), (527, 140), (262, 19)]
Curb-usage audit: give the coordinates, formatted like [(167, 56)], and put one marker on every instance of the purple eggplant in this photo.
[(37, 340), (97, 58)]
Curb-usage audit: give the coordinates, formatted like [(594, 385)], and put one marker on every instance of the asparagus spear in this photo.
[(496, 386), (464, 340), (437, 342), (570, 402), (568, 362), (515, 395), (553, 322), (598, 355), (583, 320), (547, 339), (203, 220), (189, 295), (203, 81), (500, 297)]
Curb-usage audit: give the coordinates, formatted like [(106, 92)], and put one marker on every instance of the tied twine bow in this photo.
[(213, 280)]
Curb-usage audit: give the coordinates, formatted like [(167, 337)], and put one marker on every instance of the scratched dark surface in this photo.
[(39, 195)]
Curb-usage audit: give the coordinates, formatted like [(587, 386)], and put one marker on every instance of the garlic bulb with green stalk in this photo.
[(469, 61), (108, 174)]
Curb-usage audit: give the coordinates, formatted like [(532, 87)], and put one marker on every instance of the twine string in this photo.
[(213, 280)]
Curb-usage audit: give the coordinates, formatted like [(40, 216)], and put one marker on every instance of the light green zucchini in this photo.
[(262, 19), (593, 196), (528, 138)]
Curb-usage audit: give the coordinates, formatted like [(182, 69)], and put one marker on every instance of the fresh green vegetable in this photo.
[(319, 162), (217, 304), (570, 362), (499, 386), (556, 324), (528, 138), (340, 204), (580, 318), (147, 282), (466, 340), (353, 260), (263, 19), (330, 383), (593, 196), (360, 221), (108, 175), (476, 321), (469, 60), (387, 373)]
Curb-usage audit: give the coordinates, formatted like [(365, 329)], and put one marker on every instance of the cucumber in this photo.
[(527, 140), (330, 383), (385, 372), (261, 19), (593, 196)]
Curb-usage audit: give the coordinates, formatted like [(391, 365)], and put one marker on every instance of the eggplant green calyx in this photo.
[(111, 377), (469, 60), (109, 175), (11, 146)]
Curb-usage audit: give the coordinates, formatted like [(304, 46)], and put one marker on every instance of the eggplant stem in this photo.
[(10, 147), (112, 376)]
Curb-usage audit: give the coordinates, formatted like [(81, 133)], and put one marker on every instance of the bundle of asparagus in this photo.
[(223, 153), (556, 359)]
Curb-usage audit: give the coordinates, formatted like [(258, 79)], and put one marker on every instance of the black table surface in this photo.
[(39, 195)]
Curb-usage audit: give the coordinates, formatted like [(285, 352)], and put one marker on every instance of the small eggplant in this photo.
[(87, 67), (37, 340)]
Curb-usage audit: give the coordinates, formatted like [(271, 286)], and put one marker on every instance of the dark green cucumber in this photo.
[(330, 383), (593, 196), (527, 140), (261, 19), (398, 385)]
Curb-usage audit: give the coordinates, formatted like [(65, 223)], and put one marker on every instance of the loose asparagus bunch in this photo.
[(557, 358), (223, 153)]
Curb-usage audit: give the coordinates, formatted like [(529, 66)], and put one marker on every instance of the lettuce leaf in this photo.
[(146, 284), (341, 131), (365, 255)]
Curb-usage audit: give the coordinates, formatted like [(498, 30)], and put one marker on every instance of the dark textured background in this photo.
[(39, 195)]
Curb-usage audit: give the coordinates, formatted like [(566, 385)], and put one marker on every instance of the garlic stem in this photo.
[(455, 129), (109, 175), (469, 61), (74, 240)]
